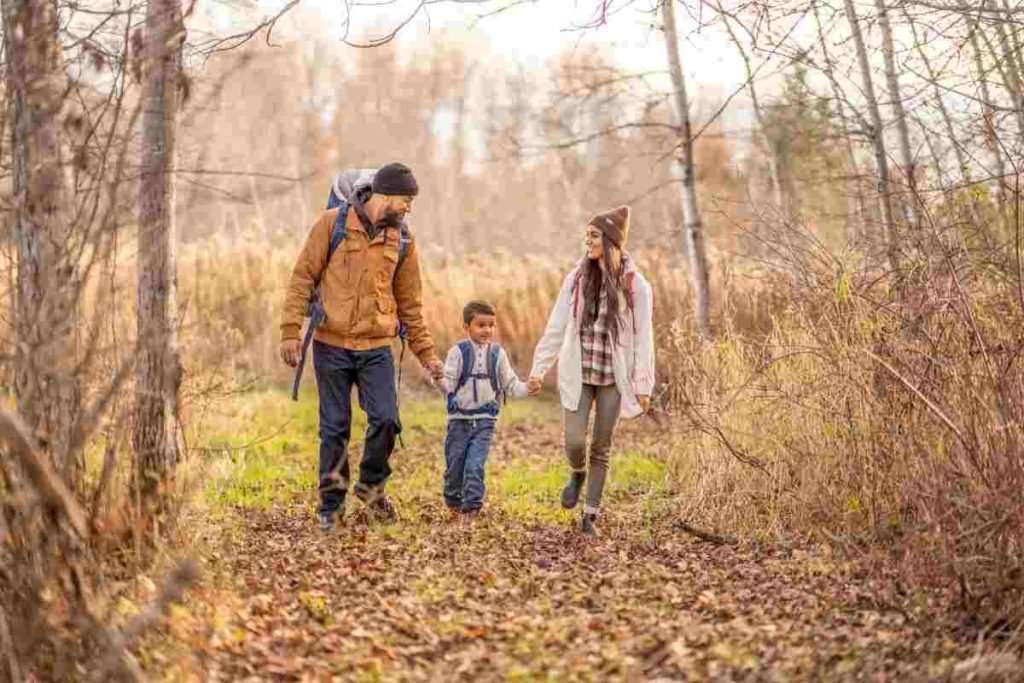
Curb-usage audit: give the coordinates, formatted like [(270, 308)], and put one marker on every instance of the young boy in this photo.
[(477, 378)]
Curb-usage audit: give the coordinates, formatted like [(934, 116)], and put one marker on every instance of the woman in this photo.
[(600, 332)]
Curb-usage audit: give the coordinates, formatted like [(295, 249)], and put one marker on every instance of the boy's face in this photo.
[(481, 328)]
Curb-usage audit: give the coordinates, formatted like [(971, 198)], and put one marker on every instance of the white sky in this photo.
[(530, 34)]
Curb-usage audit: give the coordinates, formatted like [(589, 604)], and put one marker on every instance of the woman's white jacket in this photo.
[(633, 359)]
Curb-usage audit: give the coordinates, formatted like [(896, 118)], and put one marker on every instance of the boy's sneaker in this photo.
[(587, 527), (470, 516), (571, 492), (328, 522), (382, 509)]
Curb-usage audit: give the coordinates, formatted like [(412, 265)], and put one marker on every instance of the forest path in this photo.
[(517, 594)]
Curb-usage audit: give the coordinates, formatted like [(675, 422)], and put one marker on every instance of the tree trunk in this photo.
[(46, 379), (158, 372), (856, 203), (963, 165), (911, 212), (933, 78), (693, 229), (782, 199), (991, 133), (881, 158), (1011, 73)]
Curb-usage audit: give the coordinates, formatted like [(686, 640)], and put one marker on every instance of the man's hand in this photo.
[(533, 386), (435, 368), (290, 350), (645, 402)]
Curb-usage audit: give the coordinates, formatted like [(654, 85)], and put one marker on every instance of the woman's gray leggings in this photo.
[(607, 399)]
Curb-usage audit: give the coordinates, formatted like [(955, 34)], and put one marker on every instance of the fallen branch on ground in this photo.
[(709, 536)]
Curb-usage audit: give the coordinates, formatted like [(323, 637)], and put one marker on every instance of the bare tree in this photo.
[(878, 138), (158, 371), (959, 151), (47, 386), (857, 205), (782, 198), (940, 104), (1007, 59), (989, 130), (693, 228), (908, 201)]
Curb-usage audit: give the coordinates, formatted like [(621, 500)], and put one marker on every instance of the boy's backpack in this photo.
[(350, 189), (466, 374)]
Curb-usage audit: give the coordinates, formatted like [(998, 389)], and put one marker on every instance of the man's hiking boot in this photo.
[(377, 504), (328, 522), (587, 527), (382, 509), (571, 492)]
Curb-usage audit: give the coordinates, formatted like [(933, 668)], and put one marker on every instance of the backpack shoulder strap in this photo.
[(340, 230), (493, 356), (404, 241), (466, 349), (631, 287)]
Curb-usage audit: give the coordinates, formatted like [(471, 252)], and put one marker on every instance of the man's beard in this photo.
[(390, 218)]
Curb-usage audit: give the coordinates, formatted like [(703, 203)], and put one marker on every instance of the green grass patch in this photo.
[(532, 489), (256, 477), (529, 490), (425, 413), (262, 447), (633, 473)]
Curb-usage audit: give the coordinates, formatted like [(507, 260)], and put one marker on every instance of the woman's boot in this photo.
[(588, 527), (571, 492)]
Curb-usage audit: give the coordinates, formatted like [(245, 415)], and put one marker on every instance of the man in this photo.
[(365, 291)]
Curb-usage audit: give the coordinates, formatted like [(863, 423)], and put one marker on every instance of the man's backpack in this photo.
[(466, 374), (350, 189)]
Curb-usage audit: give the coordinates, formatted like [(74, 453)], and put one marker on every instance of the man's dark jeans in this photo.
[(373, 372)]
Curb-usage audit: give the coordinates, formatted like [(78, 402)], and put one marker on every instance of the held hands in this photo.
[(435, 368), (533, 386), (290, 350), (645, 403)]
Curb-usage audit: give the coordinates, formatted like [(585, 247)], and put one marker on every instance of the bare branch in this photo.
[(238, 39), (18, 443)]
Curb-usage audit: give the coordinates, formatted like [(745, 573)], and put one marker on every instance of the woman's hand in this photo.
[(645, 402), (533, 386)]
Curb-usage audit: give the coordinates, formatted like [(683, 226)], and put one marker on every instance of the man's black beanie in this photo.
[(396, 180)]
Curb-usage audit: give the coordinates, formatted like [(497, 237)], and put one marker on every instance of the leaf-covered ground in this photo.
[(517, 594)]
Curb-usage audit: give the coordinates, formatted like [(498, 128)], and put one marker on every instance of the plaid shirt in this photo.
[(597, 349)]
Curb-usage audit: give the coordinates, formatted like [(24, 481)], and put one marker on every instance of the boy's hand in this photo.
[(645, 403), (533, 386)]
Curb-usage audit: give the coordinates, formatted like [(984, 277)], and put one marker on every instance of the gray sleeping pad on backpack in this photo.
[(348, 181)]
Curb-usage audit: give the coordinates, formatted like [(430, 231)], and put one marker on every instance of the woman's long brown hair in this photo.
[(607, 282)]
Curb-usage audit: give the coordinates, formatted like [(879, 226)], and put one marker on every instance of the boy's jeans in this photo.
[(373, 372), (466, 446)]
